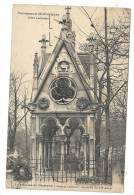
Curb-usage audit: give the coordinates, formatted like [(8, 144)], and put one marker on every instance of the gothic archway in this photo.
[(73, 130), (48, 129)]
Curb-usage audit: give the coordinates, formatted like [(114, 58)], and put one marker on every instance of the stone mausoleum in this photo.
[(63, 105)]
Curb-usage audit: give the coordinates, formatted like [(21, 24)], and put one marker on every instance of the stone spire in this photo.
[(35, 65), (66, 30), (66, 20), (43, 42), (35, 74)]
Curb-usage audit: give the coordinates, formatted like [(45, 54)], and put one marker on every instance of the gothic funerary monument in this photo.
[(63, 106)]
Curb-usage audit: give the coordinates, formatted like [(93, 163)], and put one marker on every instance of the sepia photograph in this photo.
[(68, 98)]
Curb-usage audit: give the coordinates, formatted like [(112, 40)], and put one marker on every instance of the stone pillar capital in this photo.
[(60, 138), (85, 138)]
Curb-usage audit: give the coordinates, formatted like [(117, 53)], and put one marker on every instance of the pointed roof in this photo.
[(67, 40), (76, 61), (86, 60), (44, 56), (42, 62)]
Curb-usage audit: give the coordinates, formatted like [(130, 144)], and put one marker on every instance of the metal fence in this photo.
[(70, 171), (73, 172), (76, 171)]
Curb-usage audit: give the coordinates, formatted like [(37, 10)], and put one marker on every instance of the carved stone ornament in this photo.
[(30, 106), (63, 90), (43, 103), (82, 103), (70, 35)]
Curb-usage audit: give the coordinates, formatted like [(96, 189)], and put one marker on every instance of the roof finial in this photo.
[(68, 13), (66, 21), (43, 41), (36, 62)]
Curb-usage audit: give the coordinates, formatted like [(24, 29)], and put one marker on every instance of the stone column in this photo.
[(33, 148), (92, 146), (48, 159), (38, 144), (37, 125), (44, 155), (85, 138), (39, 155), (62, 137), (77, 150), (88, 124), (33, 140), (62, 157), (53, 146)]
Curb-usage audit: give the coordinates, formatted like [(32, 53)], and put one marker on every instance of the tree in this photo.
[(120, 104), (110, 48), (16, 99)]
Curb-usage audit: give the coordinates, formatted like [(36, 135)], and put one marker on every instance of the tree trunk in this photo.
[(26, 129), (107, 112), (15, 119), (13, 129), (106, 161), (97, 141)]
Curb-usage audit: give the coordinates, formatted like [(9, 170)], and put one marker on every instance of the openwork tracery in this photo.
[(63, 90), (49, 128)]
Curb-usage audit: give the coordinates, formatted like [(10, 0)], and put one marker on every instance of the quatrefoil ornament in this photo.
[(43, 103)]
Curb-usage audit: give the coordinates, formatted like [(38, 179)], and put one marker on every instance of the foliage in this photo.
[(17, 98), (110, 48), (21, 170)]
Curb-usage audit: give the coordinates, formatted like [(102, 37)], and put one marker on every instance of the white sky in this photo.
[(27, 32)]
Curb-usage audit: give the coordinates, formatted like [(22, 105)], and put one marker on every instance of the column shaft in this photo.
[(62, 157)]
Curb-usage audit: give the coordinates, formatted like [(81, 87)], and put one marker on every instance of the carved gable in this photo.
[(63, 89)]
